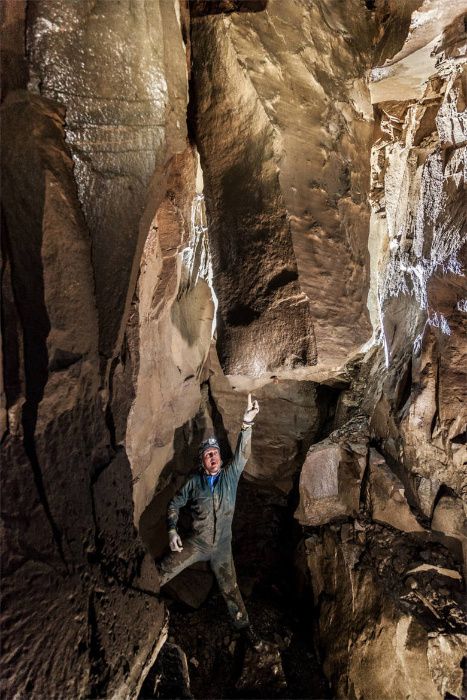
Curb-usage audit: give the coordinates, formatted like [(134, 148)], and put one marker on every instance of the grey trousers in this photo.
[(222, 565)]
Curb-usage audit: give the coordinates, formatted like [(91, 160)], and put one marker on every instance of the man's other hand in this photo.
[(175, 541), (251, 410)]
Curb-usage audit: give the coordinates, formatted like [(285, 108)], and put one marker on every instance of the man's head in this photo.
[(210, 455)]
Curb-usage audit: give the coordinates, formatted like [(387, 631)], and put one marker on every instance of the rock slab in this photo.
[(330, 480)]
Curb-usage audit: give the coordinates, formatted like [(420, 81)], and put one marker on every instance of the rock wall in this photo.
[(391, 621), (121, 72), (283, 122), (169, 333), (382, 500), (293, 414), (72, 565), (93, 133), (418, 239)]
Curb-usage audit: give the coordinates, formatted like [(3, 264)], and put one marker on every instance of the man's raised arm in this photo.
[(243, 449)]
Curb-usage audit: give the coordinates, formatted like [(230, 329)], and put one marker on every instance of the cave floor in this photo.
[(216, 655)]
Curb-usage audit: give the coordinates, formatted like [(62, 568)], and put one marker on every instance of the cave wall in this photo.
[(72, 557), (169, 332), (382, 499), (121, 71), (93, 120), (283, 122), (418, 239)]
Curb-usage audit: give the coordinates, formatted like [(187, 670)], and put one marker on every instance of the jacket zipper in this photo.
[(213, 518)]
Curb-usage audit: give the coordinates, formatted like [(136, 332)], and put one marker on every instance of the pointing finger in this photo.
[(249, 405)]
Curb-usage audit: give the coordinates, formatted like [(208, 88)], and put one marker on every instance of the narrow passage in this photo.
[(220, 665)]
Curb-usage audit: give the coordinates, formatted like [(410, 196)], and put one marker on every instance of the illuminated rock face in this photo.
[(121, 73), (331, 477), (284, 136), (418, 244), (168, 335)]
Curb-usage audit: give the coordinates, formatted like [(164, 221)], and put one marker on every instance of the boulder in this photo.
[(388, 503), (191, 586), (331, 476), (449, 519)]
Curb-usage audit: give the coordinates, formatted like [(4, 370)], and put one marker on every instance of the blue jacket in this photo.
[(212, 511)]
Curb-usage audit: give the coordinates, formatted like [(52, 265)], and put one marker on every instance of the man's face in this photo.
[(212, 460)]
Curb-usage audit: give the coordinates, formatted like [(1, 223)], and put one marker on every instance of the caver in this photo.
[(211, 493)]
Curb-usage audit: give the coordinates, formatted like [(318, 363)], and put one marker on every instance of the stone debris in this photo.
[(262, 670), (451, 573), (382, 596)]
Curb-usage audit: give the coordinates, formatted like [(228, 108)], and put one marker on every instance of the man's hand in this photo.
[(251, 410), (175, 541)]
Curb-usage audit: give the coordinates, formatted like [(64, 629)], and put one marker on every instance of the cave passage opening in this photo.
[(211, 659)]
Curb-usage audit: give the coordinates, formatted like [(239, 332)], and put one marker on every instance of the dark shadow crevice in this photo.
[(29, 299), (200, 8)]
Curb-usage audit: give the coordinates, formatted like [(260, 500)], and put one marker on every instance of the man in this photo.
[(212, 492)]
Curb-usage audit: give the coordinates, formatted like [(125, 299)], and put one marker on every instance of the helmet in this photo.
[(207, 445)]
